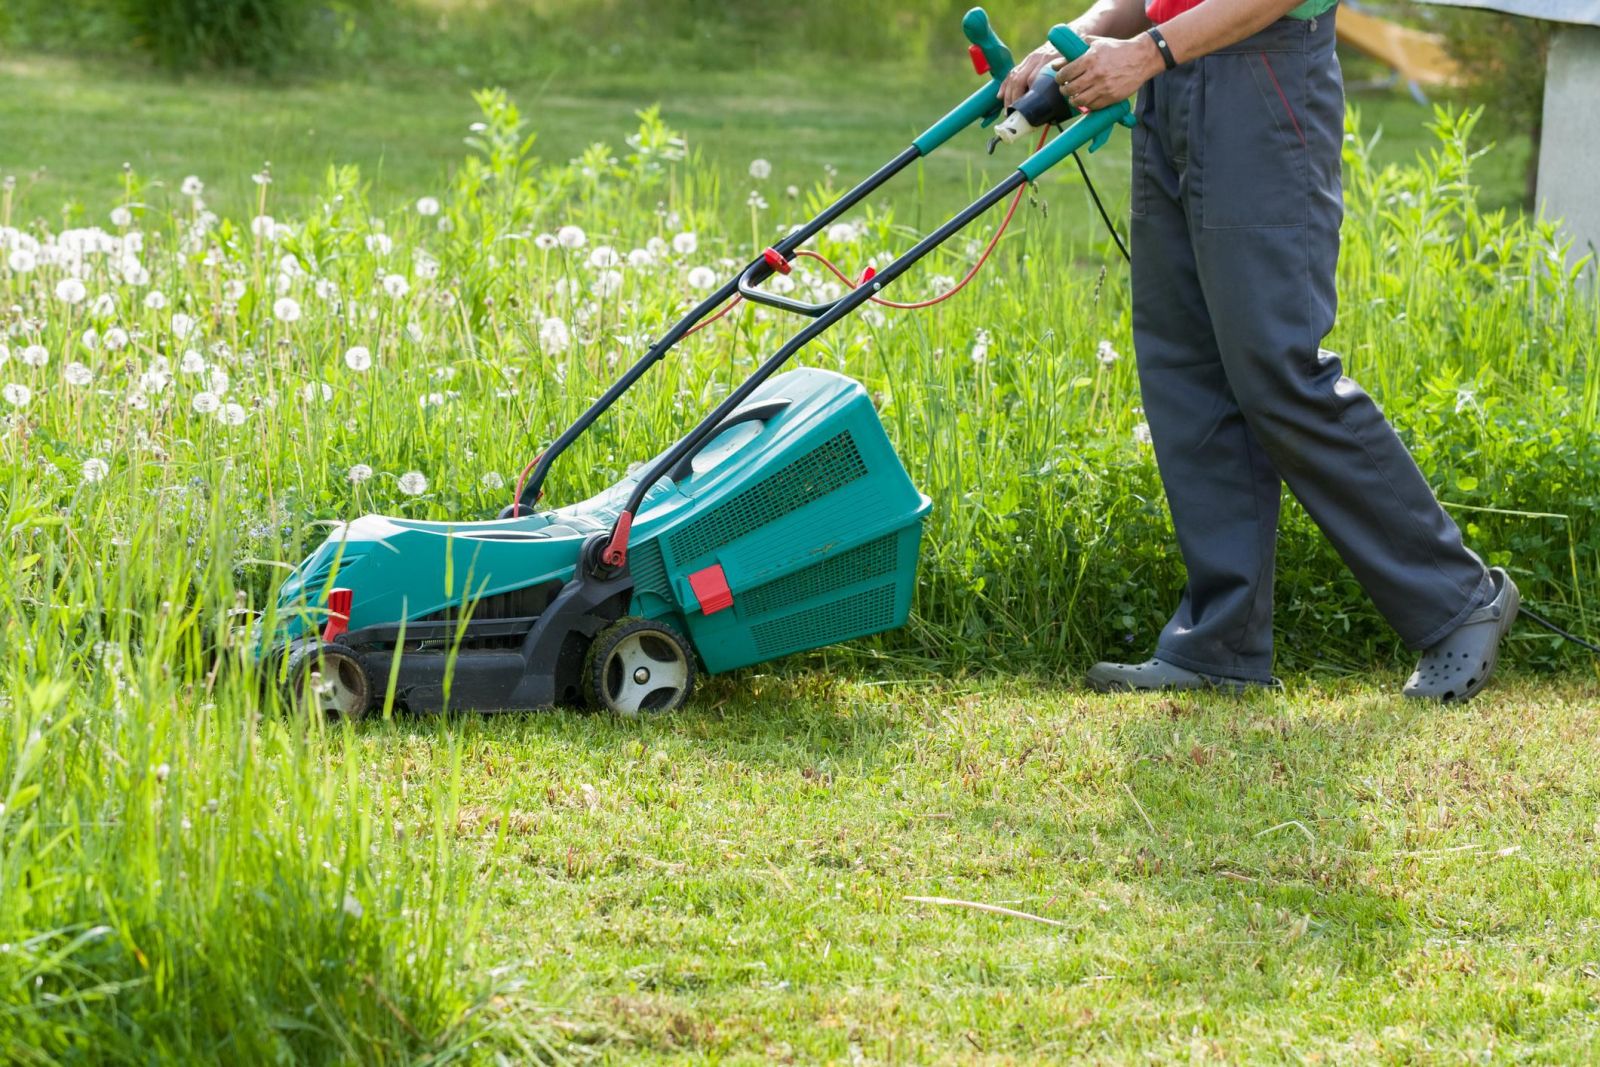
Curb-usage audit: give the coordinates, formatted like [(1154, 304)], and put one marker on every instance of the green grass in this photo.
[(82, 120), (1331, 875), (190, 872)]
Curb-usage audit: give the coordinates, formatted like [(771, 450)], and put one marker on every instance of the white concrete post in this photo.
[(1569, 157)]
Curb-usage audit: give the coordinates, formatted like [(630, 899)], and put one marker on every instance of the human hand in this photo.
[(1020, 80), (1110, 71)]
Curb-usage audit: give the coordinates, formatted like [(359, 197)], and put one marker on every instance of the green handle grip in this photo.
[(984, 105), (976, 26), (1067, 41)]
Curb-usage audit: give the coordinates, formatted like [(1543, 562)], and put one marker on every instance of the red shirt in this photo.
[(1162, 10)]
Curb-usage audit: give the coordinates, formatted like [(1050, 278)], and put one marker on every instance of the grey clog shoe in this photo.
[(1158, 675), (1458, 667)]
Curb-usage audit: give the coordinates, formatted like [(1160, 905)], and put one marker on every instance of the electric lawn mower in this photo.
[(784, 521)]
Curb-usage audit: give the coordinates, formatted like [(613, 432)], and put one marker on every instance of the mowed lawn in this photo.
[(1327, 875)]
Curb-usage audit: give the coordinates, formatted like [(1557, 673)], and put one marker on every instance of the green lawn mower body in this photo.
[(794, 527), (782, 522)]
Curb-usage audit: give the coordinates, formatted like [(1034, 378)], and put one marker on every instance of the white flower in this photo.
[(102, 306), (702, 278), (379, 244), (980, 347), (640, 257), (493, 480), (604, 256), (263, 226), (77, 374), (358, 473), (218, 380), (358, 358), (571, 237), (17, 394), (844, 233), (760, 170), (155, 300), (137, 400), (1106, 353), (554, 337), (192, 362), (608, 284), (35, 355), (116, 339), (686, 244), (755, 201), (289, 264), (545, 242), (286, 309), (1465, 399), (656, 247), (95, 469), (1141, 434), (311, 392), (395, 285), (192, 186), (70, 291), (21, 260), (205, 403), (427, 206), (413, 483), (792, 192), (231, 414), (91, 338), (121, 216), (134, 273), (233, 289), (425, 266), (182, 325)]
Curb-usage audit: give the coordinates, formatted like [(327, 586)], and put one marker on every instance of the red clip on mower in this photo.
[(783, 522)]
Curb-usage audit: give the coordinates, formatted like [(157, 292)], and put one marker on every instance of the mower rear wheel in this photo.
[(639, 665), (329, 677)]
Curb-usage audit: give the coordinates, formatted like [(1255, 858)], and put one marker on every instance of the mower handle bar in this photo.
[(1091, 131), (982, 106)]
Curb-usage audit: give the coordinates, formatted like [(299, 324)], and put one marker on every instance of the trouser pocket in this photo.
[(1252, 147)]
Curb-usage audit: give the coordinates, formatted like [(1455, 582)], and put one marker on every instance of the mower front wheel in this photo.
[(639, 665), (329, 677)]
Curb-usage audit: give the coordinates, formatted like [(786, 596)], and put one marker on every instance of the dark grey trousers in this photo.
[(1236, 212)]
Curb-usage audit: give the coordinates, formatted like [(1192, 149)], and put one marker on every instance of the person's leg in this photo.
[(1220, 487), (1265, 202)]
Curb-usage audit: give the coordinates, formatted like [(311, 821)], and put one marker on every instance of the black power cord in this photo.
[(1105, 216), (1535, 617)]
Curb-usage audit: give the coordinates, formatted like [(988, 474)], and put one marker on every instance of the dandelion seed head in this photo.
[(760, 170), (205, 403), (686, 244), (232, 414), (94, 469), (71, 291), (572, 237), (192, 186), (286, 309), (358, 473), (413, 483), (16, 394), (396, 286), (35, 355), (701, 278), (427, 206), (358, 358), (77, 374), (155, 300)]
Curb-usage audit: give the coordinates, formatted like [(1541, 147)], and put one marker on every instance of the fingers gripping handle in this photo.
[(995, 53)]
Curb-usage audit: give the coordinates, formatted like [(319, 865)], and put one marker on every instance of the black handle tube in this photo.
[(541, 469), (852, 300)]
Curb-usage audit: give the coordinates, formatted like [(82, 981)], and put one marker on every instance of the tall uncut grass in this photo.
[(187, 872)]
